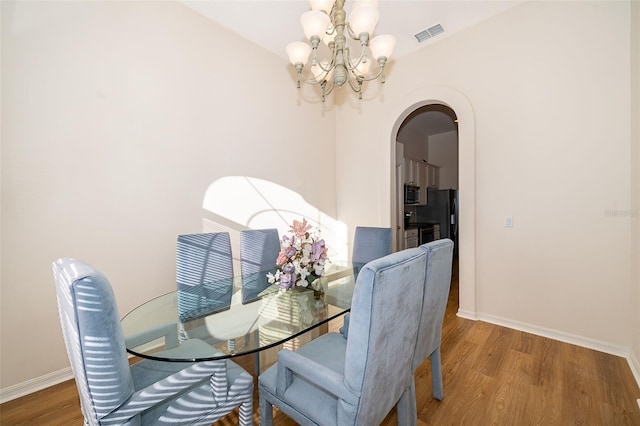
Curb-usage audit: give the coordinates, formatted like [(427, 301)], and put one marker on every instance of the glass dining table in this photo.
[(239, 316)]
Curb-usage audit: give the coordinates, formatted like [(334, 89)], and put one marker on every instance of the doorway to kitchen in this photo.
[(460, 104), (427, 179)]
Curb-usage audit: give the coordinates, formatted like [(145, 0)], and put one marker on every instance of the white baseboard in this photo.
[(634, 364), (561, 336), (471, 315), (36, 384), (557, 335)]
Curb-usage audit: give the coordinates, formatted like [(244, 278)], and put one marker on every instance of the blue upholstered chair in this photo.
[(356, 381), (436, 294), (370, 243), (204, 274), (259, 249), (146, 393)]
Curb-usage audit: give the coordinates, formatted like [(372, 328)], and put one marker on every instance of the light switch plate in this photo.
[(508, 221)]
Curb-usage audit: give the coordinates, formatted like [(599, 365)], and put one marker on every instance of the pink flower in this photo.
[(300, 228), (282, 258)]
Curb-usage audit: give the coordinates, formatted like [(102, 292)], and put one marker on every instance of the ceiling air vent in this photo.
[(430, 32)]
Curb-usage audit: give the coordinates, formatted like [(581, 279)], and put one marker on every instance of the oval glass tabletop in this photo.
[(235, 317)]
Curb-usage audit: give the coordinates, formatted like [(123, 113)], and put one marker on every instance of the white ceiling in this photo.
[(272, 24)]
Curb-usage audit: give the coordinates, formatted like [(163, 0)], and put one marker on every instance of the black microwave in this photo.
[(411, 194)]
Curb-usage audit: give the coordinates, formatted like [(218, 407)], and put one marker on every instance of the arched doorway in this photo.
[(456, 101), (428, 142)]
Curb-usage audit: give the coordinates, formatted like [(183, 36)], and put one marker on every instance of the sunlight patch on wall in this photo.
[(235, 203)]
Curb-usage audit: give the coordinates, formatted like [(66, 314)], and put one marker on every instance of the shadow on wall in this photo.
[(236, 203)]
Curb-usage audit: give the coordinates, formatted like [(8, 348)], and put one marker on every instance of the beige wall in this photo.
[(415, 143), (552, 144), (443, 152), (116, 118)]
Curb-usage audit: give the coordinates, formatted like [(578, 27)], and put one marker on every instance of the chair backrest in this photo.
[(385, 309), (204, 273), (203, 258), (259, 249), (93, 337), (436, 294), (370, 243)]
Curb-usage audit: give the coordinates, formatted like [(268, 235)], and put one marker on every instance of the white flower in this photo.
[(303, 272), (273, 278), (306, 253)]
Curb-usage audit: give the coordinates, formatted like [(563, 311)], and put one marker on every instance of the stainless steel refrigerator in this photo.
[(442, 208)]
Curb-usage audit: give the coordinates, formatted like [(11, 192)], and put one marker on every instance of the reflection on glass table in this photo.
[(266, 320)]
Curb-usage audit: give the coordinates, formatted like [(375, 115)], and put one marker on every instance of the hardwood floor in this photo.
[(492, 376)]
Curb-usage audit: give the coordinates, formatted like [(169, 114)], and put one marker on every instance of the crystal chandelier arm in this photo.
[(356, 84), (308, 80), (350, 32), (380, 72), (363, 38), (327, 91), (327, 69), (351, 65), (328, 66)]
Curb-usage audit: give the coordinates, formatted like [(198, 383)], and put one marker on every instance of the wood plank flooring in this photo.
[(492, 376)]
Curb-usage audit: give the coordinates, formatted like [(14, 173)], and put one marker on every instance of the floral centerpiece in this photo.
[(301, 260)]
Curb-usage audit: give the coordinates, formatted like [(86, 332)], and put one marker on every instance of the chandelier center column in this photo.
[(340, 17)]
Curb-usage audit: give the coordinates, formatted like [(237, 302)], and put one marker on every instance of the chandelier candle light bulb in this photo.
[(327, 21)]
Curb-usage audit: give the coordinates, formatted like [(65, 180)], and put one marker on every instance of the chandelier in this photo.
[(327, 22)]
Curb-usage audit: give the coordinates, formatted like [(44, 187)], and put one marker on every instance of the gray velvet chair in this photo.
[(436, 294), (370, 243), (356, 381), (146, 393), (259, 249), (204, 274)]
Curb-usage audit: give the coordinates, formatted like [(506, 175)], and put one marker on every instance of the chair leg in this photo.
[(266, 412), (406, 409), (436, 374), (246, 412)]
